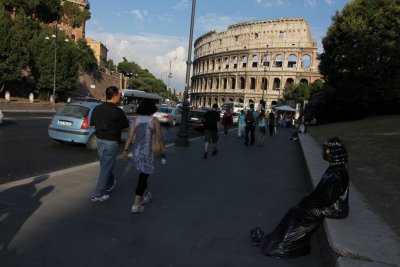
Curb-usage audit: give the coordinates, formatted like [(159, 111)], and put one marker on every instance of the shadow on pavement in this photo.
[(17, 204)]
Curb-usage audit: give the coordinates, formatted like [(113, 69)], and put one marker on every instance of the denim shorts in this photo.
[(210, 136), (262, 129)]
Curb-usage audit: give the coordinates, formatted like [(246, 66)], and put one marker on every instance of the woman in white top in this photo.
[(262, 127), (141, 131)]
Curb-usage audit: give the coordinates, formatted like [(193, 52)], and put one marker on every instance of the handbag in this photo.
[(157, 146)]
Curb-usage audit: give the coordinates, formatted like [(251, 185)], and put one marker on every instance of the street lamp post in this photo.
[(182, 139), (265, 83), (54, 65), (170, 73)]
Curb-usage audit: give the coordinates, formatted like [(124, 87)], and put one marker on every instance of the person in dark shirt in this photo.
[(211, 119), (108, 121)]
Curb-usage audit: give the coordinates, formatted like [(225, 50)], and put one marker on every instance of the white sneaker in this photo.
[(137, 209), (101, 198), (111, 188), (146, 199)]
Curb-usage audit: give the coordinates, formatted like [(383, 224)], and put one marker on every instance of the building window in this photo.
[(225, 83), (252, 83), (233, 83), (244, 60), (242, 83), (279, 61), (281, 34), (235, 61), (255, 61)]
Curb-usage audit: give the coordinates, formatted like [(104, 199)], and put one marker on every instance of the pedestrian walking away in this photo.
[(271, 123), (227, 120), (108, 121), (250, 120), (291, 238), (241, 124), (262, 127), (211, 119), (141, 133)]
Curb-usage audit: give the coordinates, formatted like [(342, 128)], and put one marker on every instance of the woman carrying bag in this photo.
[(142, 130)]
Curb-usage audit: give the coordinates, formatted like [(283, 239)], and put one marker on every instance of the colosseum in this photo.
[(253, 62)]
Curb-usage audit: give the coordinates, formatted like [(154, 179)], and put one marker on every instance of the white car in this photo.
[(169, 115), (1, 117)]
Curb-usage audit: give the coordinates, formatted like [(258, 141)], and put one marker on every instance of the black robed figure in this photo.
[(291, 238)]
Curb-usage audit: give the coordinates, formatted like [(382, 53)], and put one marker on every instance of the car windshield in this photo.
[(164, 110), (73, 111)]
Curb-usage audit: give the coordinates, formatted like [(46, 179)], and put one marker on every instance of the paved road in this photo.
[(26, 149), (200, 214)]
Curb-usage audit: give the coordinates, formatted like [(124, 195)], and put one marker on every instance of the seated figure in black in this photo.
[(291, 238)]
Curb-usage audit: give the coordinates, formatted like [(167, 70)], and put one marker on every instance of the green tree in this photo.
[(300, 92), (14, 55), (88, 61), (73, 15), (67, 65), (361, 57), (142, 79), (111, 65)]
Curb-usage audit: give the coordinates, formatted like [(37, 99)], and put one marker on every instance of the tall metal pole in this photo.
[(55, 67), (265, 83), (182, 139), (169, 74)]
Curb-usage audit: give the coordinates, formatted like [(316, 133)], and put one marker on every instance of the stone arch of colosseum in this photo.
[(253, 61)]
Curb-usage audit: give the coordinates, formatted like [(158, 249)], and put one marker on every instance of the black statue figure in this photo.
[(291, 238)]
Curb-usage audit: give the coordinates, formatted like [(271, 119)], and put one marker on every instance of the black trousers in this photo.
[(142, 183), (249, 129)]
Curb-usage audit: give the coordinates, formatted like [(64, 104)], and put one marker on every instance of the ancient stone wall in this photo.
[(253, 61)]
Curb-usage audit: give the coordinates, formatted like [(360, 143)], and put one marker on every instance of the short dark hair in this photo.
[(251, 105), (215, 105), (146, 107), (111, 91)]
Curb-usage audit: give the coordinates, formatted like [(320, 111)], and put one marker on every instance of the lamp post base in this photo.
[(183, 134)]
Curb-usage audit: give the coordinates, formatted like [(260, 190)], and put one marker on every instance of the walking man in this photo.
[(109, 121), (250, 119), (211, 119)]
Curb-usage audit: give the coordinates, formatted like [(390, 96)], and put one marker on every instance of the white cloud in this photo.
[(312, 3), (264, 3), (330, 2), (183, 4), (215, 22), (140, 14), (152, 52)]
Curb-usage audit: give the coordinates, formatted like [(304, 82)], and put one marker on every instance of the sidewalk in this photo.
[(23, 105), (200, 214)]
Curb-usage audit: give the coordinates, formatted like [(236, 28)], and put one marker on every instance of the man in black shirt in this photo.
[(109, 121), (211, 119)]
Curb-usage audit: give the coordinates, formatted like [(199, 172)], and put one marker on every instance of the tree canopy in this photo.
[(361, 58), (142, 79)]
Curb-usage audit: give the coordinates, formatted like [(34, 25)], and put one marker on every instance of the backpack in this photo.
[(249, 119)]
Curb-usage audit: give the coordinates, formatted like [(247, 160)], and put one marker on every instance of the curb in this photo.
[(363, 238)]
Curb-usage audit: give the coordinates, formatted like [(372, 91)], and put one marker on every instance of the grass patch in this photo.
[(373, 145)]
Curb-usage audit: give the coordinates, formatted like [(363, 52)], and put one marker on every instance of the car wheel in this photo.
[(91, 143)]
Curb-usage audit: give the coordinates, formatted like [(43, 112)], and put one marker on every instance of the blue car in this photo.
[(71, 124)]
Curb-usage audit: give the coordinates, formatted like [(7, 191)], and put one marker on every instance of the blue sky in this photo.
[(154, 32)]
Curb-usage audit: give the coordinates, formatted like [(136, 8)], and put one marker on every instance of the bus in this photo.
[(233, 106), (131, 98)]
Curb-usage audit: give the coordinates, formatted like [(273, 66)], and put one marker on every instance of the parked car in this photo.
[(1, 117), (169, 115), (196, 118), (71, 124)]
